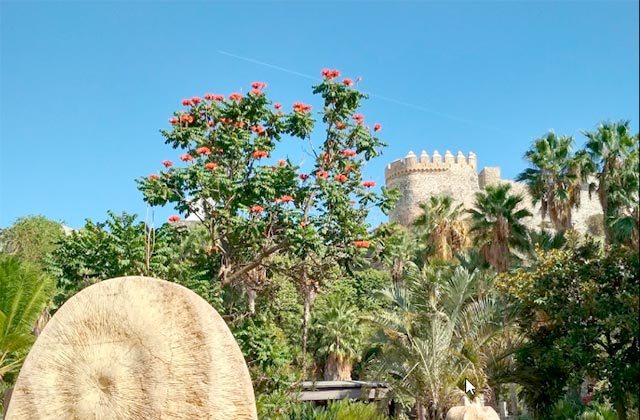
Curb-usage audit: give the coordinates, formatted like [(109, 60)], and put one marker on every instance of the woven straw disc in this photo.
[(134, 348)]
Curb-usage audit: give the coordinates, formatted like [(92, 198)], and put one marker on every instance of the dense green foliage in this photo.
[(122, 246), (26, 291), (555, 177), (311, 291), (31, 239), (579, 310), (436, 331), (497, 223)]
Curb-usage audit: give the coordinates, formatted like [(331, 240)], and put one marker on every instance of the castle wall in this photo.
[(419, 178)]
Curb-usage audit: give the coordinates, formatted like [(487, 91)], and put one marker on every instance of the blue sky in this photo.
[(85, 86)]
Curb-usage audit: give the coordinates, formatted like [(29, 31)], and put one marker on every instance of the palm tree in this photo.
[(554, 179), (24, 294), (625, 223), (432, 335), (439, 228), (338, 338), (497, 224), (609, 147), (395, 248)]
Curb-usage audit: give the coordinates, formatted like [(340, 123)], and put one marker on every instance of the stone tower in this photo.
[(419, 178)]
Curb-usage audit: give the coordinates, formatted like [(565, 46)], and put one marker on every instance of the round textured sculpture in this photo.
[(134, 348), (472, 412)]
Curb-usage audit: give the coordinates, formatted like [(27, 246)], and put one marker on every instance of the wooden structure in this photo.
[(323, 391)]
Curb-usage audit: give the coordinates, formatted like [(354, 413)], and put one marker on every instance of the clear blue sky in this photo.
[(85, 86)]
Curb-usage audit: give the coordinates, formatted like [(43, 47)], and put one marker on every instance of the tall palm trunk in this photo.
[(397, 271), (497, 254), (337, 368), (309, 297), (603, 196)]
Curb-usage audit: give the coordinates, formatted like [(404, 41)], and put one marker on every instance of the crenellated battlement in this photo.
[(429, 163)]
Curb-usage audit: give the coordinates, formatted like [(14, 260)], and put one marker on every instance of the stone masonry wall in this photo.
[(419, 178)]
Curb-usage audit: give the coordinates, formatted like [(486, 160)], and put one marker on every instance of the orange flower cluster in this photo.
[(341, 178), (322, 174), (211, 166), (258, 129), (348, 153), (213, 97), (282, 162), (361, 244), (256, 209), (377, 127), (203, 151), (153, 177), (303, 177), (301, 107), (347, 82), (284, 199), (259, 154), (186, 158), (277, 106), (341, 125), (330, 74), (257, 88), (174, 120), (235, 96), (186, 118), (358, 118), (369, 184), (174, 218), (167, 163)]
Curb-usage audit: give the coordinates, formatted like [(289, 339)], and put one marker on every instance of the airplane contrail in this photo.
[(371, 94)]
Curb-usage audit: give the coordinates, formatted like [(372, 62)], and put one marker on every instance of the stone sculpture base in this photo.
[(472, 412)]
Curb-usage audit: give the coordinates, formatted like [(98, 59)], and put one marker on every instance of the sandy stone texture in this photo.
[(134, 348), (420, 177)]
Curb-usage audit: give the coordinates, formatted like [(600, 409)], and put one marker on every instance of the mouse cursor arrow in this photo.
[(468, 387)]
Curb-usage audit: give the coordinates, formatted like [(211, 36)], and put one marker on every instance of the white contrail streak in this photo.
[(262, 63), (371, 94)]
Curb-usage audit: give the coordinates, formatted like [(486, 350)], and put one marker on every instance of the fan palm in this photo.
[(395, 248), (625, 222), (439, 228), (24, 294), (554, 179), (338, 338), (610, 147), (432, 336), (497, 224)]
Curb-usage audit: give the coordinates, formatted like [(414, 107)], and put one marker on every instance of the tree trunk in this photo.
[(309, 297), (42, 320), (5, 402), (397, 271), (619, 405), (420, 411), (603, 195), (251, 298), (491, 396), (513, 400), (337, 368)]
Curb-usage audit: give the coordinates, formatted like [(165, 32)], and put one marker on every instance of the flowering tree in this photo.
[(254, 209)]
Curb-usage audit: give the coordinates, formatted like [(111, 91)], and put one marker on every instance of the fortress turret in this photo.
[(419, 178)]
